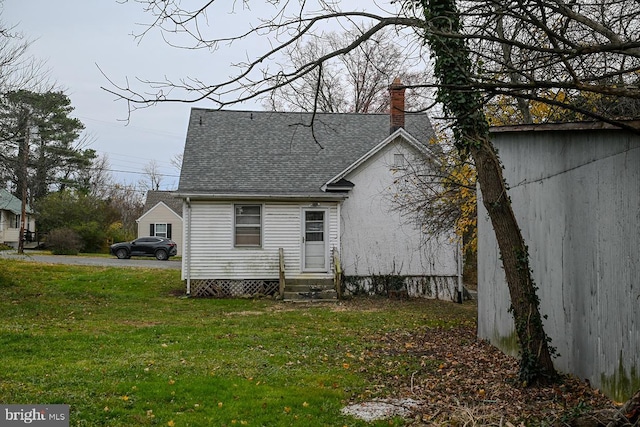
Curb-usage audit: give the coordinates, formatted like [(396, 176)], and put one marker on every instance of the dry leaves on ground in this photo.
[(461, 380)]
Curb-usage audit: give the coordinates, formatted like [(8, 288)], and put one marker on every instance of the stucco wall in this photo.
[(576, 197)]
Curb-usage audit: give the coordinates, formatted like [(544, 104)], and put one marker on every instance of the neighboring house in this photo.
[(268, 197), (10, 214), (575, 190), (162, 217)]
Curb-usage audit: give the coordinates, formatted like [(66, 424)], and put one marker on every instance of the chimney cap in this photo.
[(396, 82)]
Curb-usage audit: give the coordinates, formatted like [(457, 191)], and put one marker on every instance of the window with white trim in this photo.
[(160, 230), (399, 161), (248, 226), (16, 221)]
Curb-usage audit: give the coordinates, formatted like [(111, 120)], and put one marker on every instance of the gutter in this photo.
[(320, 196)]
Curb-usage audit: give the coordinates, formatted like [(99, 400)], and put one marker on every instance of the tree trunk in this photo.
[(536, 363), (23, 154), (471, 130)]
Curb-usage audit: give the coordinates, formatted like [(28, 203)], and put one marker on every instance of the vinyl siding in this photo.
[(161, 214), (214, 256), (9, 234)]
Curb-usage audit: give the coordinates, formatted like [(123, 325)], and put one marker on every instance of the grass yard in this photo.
[(123, 348)]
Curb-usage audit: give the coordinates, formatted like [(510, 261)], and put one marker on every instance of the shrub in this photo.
[(92, 236), (64, 241)]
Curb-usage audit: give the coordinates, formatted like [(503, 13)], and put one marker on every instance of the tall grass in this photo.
[(123, 347)]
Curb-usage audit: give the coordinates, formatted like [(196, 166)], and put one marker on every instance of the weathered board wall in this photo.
[(576, 196)]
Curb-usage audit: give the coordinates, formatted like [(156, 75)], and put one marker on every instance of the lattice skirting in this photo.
[(218, 288)]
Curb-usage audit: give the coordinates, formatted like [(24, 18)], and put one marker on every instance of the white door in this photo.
[(315, 242)]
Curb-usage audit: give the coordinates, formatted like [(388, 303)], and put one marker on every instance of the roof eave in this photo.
[(154, 207), (319, 196), (398, 133)]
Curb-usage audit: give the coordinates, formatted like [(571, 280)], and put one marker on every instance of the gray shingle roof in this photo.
[(155, 197), (265, 152)]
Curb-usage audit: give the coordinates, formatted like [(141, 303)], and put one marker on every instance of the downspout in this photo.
[(186, 260), (338, 245)]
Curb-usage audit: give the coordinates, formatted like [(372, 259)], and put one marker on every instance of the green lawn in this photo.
[(124, 348)]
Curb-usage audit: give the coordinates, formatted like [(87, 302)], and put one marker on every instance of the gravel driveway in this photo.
[(95, 261)]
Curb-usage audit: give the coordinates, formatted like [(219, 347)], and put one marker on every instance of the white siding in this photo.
[(376, 238), (8, 233), (213, 255), (161, 214)]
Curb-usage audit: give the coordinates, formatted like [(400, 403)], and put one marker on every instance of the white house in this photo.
[(272, 198), (575, 193), (162, 217), (10, 215)]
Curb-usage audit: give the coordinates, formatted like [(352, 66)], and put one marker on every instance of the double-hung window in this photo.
[(160, 230), (16, 221), (248, 225)]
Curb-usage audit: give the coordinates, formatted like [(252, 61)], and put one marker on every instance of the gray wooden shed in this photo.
[(575, 190)]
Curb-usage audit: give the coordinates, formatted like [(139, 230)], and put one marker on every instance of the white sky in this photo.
[(75, 35)]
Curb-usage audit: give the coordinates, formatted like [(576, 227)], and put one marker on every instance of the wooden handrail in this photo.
[(337, 273)]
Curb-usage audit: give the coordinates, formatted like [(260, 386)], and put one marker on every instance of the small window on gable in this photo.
[(248, 226), (399, 161)]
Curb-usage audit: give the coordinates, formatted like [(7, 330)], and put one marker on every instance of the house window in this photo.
[(16, 221), (160, 230), (399, 161), (248, 225)]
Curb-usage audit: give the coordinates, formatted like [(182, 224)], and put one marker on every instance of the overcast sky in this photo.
[(77, 36)]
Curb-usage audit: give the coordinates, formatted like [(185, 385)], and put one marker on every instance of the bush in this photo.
[(64, 241), (92, 235)]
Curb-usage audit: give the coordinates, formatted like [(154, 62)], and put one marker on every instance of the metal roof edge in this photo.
[(568, 126)]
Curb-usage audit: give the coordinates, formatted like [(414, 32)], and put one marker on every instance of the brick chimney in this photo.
[(396, 93)]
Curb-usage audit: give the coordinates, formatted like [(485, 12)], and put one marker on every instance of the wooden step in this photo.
[(310, 296)]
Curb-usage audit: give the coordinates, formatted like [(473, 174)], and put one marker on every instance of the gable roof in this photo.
[(8, 202), (423, 148), (268, 153), (166, 197)]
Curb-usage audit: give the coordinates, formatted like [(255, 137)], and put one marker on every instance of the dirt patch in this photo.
[(245, 313), (382, 409)]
